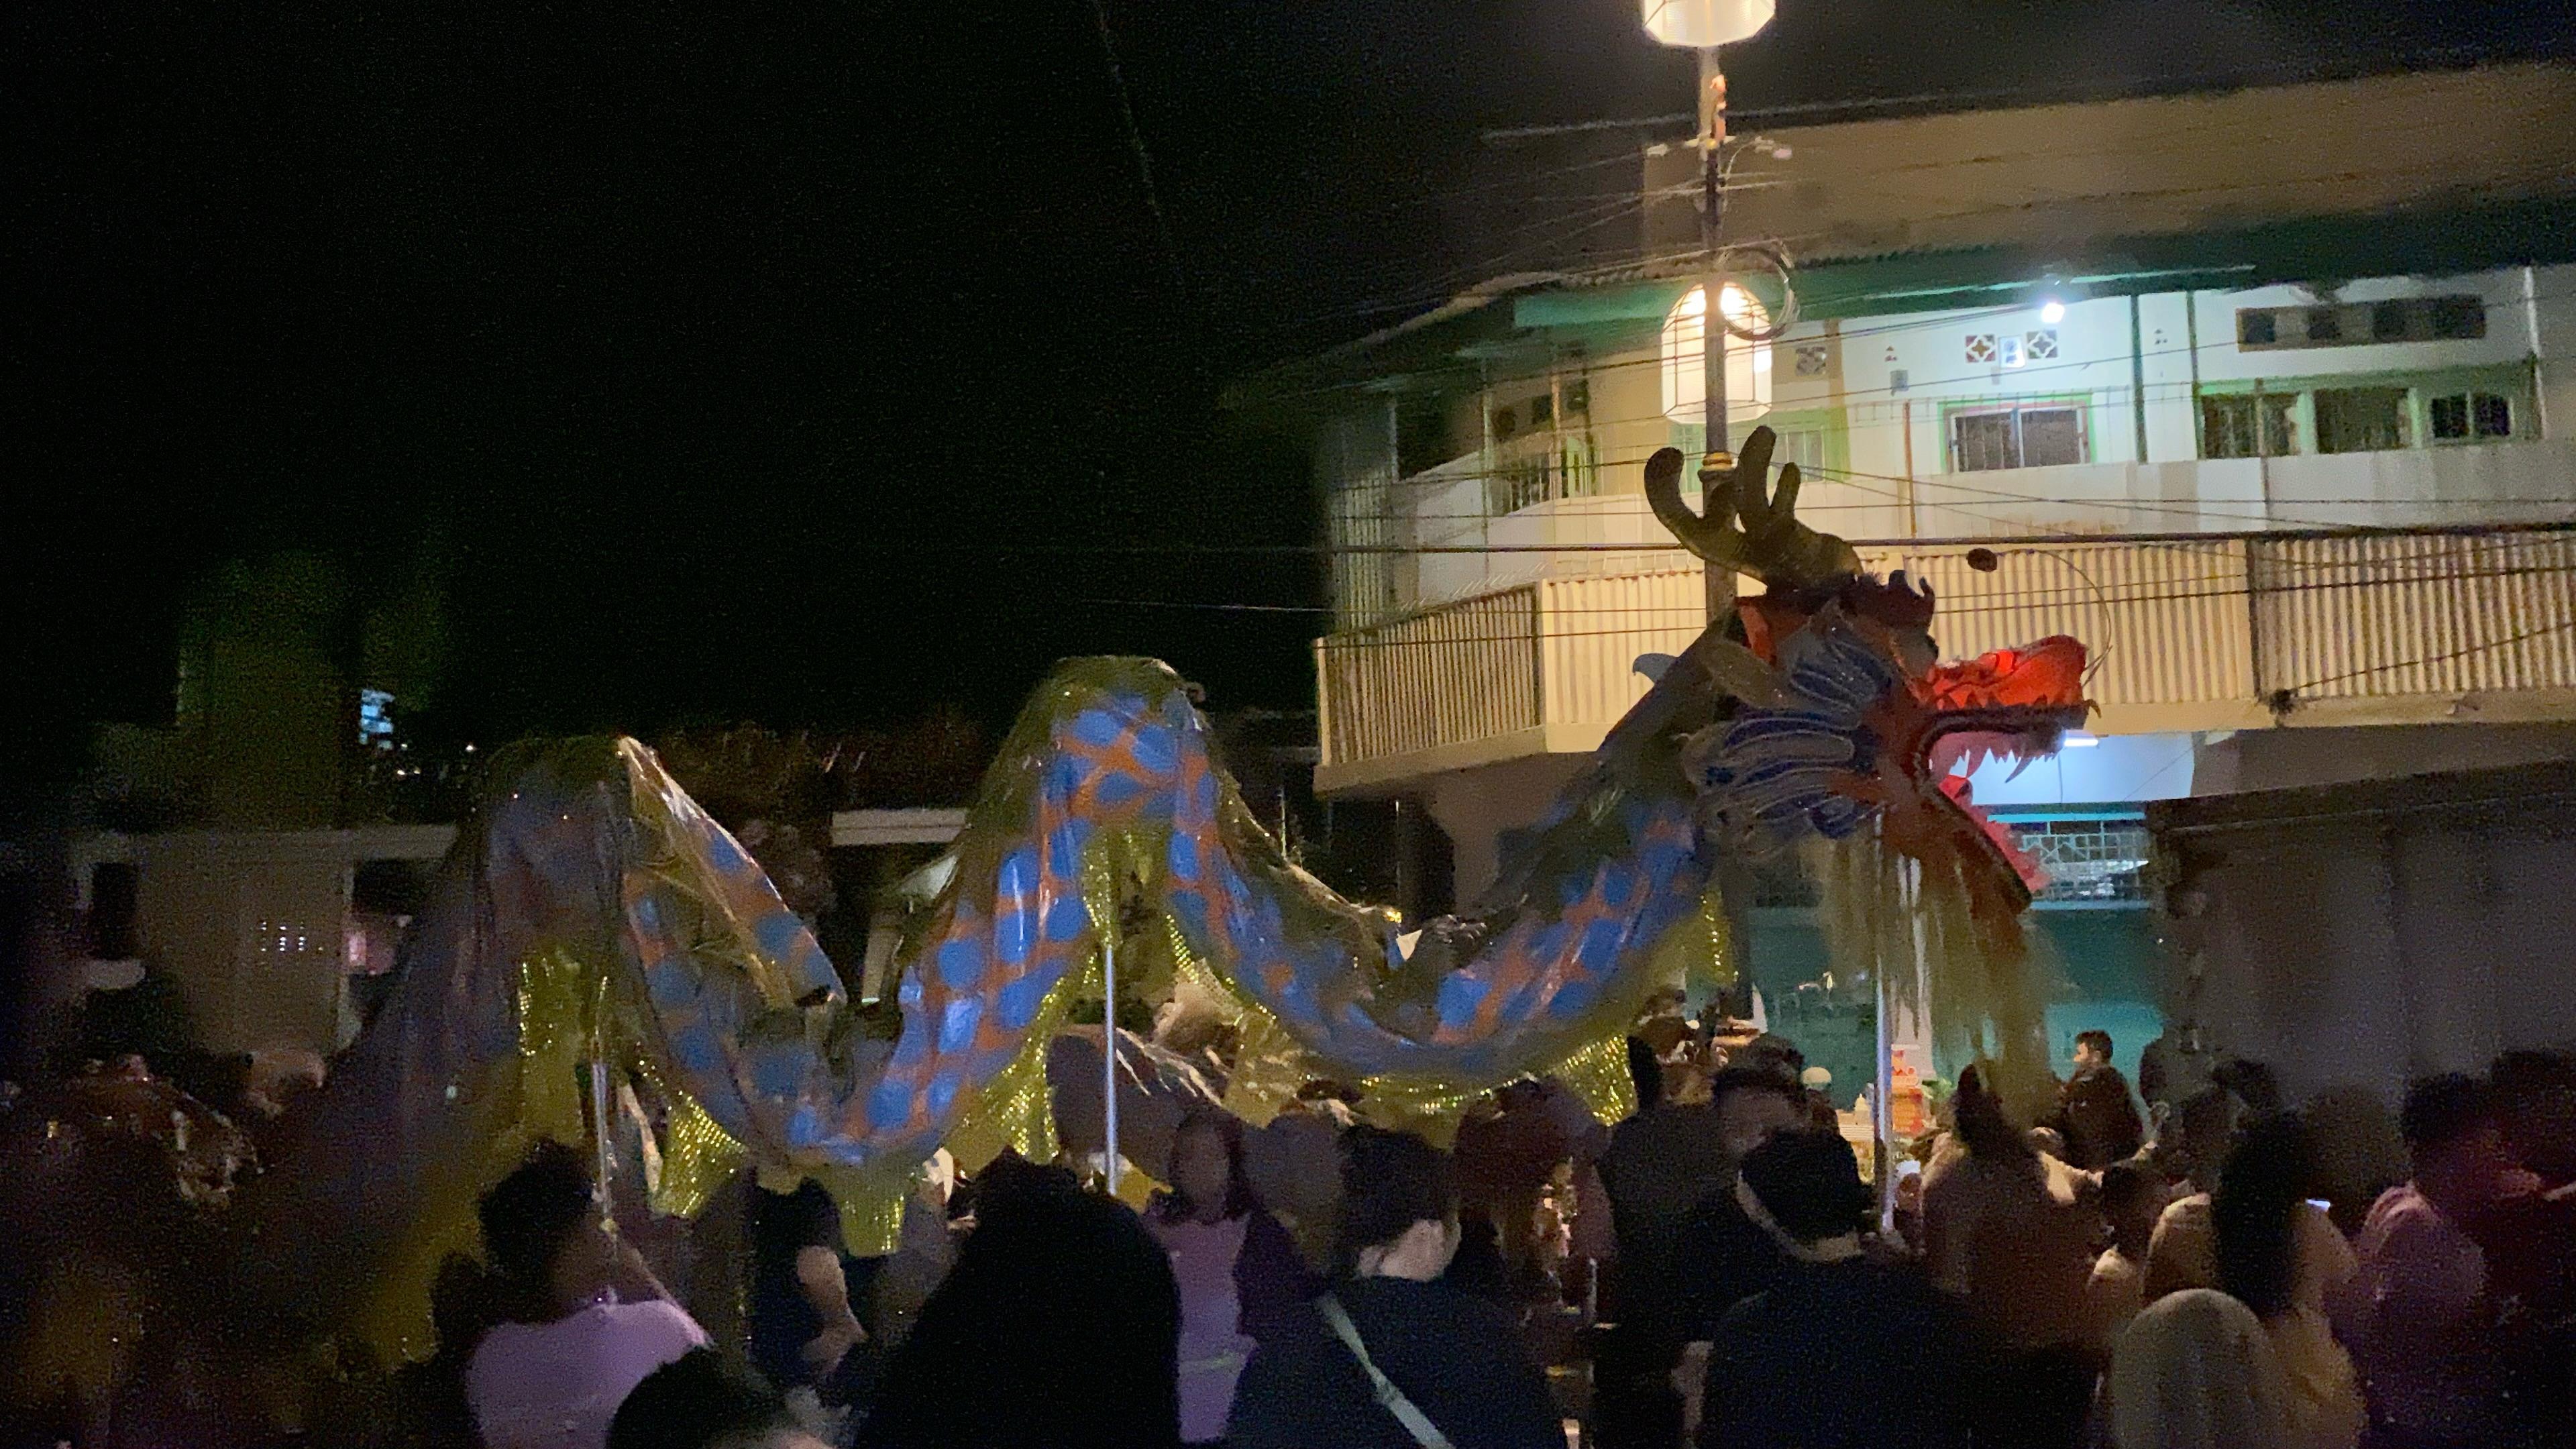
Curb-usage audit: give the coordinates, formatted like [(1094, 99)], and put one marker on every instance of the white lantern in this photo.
[(1700, 24), (1748, 364)]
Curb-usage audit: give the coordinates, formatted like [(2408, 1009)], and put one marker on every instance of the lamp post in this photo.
[(1704, 25)]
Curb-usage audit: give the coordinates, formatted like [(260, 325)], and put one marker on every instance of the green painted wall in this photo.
[(2106, 961)]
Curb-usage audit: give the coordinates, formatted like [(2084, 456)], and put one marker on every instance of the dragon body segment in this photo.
[(597, 920)]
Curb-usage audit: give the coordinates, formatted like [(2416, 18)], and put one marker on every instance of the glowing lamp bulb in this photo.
[(2052, 312)]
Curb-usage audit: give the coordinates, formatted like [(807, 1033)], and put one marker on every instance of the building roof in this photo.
[(2057, 177), (2240, 188)]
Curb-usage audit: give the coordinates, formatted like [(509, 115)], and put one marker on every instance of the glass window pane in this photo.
[(2494, 415), (2051, 437), (2459, 317), (1982, 442), (2360, 419), (2280, 427), (2227, 427), (2449, 415)]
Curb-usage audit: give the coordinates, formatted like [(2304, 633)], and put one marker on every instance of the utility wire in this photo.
[(1136, 144)]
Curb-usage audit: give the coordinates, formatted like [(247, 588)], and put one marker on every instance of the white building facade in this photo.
[(2294, 472)]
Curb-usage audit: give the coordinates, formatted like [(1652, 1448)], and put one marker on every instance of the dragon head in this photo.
[(1844, 712)]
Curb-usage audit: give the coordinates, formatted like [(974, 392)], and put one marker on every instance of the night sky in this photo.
[(774, 362)]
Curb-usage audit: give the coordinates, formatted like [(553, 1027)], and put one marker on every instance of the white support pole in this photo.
[(1109, 1054), (1882, 1109), (602, 1127), (1882, 1095)]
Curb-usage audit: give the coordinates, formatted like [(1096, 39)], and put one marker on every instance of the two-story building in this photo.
[(2269, 395)]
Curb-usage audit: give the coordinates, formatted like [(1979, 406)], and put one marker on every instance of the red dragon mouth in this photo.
[(2011, 704)]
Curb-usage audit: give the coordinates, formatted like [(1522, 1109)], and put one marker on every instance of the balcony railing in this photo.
[(1538, 668), (2187, 631), (1459, 506)]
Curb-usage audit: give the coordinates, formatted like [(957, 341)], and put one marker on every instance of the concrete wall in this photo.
[(2283, 759), (1477, 807), (2370, 950)]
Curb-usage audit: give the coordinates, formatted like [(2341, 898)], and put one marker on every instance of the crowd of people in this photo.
[(2206, 1268), (2140, 1277)]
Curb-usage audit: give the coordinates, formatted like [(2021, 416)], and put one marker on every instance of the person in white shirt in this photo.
[(583, 1321)]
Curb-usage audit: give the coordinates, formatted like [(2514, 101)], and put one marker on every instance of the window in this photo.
[(1519, 483), (1578, 395), (2402, 319), (2051, 436), (1982, 442), (2249, 425), (2039, 435), (2492, 415), (1802, 446), (2465, 415), (1542, 410), (2458, 317), (1507, 421), (2360, 419)]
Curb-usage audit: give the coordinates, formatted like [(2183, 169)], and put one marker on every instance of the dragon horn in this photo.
[(1753, 501), (1770, 542), (1714, 536)]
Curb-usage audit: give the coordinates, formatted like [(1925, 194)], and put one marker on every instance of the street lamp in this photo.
[(1687, 346), (1704, 25)]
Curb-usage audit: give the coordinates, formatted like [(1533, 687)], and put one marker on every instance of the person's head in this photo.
[(1206, 1169), (2535, 1094), (1399, 1206), (1526, 1094), (1983, 1127), (696, 1402), (543, 1231), (2204, 1133), (2255, 1212), (2256, 1085), (2455, 1140), (1808, 1184), (2130, 1200), (2092, 1049), (1771, 1053), (1751, 1103)]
